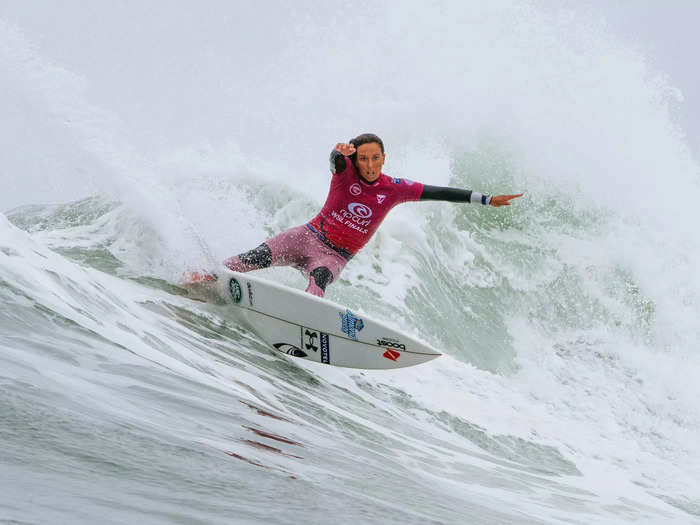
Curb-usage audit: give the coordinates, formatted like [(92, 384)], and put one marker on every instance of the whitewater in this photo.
[(139, 141)]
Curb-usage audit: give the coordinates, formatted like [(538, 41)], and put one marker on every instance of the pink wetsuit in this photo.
[(353, 211)]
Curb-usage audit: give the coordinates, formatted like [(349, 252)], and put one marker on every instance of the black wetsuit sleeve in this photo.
[(439, 193), (338, 162)]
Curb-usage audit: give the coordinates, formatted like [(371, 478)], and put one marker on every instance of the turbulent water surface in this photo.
[(567, 392)]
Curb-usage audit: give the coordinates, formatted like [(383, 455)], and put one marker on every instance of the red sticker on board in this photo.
[(391, 354)]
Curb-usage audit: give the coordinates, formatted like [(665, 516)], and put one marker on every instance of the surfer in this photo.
[(359, 198)]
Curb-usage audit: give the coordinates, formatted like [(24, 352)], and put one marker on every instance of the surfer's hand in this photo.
[(345, 149), (503, 200)]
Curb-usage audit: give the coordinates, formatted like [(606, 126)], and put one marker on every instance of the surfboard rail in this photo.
[(304, 326)]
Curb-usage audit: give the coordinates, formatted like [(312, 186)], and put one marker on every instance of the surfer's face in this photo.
[(370, 160)]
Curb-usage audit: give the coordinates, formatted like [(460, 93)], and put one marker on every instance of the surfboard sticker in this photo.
[(390, 342), (235, 289), (392, 354), (288, 349), (325, 348), (315, 341), (310, 339), (350, 324), (250, 293)]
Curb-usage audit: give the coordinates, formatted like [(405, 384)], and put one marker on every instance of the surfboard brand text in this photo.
[(325, 348), (391, 344)]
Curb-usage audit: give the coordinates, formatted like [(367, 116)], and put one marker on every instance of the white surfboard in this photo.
[(301, 325)]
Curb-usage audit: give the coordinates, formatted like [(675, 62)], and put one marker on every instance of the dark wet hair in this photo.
[(365, 138)]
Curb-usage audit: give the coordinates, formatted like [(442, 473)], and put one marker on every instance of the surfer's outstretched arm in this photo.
[(439, 193)]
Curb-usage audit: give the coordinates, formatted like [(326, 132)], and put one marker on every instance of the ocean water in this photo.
[(141, 141)]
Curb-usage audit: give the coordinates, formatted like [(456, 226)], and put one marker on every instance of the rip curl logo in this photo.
[(355, 189), (380, 198), (350, 324), (360, 210), (356, 217)]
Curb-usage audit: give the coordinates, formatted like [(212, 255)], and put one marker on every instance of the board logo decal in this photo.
[(350, 324), (250, 293), (288, 349), (325, 348), (236, 292), (391, 344), (311, 338), (355, 189), (391, 354)]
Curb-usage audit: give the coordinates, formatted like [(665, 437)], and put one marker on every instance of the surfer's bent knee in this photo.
[(322, 277), (260, 257)]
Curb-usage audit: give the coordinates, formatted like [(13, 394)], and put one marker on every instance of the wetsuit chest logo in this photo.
[(380, 198), (360, 210), (355, 189)]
